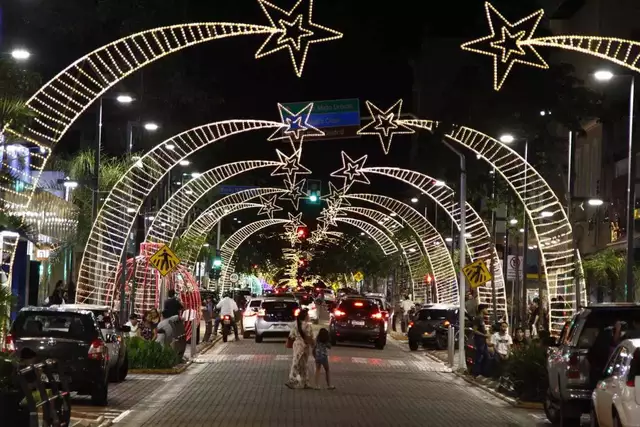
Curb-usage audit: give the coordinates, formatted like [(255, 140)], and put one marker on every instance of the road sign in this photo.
[(477, 273), (232, 189), (514, 264), (165, 261), (338, 118), (233, 278), (358, 276)]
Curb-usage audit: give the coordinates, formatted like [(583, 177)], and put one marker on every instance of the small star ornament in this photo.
[(296, 126), (336, 198), (269, 206), (385, 124), (294, 192), (290, 166), (351, 171), (507, 44), (295, 31)]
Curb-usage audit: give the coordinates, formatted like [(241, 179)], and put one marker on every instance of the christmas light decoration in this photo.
[(335, 198), (351, 171), (385, 124), (297, 127), (300, 23), (290, 166), (170, 216), (110, 231), (269, 206), (380, 237), (228, 248), (195, 235), (431, 244), (295, 192), (507, 45)]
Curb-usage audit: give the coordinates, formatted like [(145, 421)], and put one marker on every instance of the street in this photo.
[(242, 384)]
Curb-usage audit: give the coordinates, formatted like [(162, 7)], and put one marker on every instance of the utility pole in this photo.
[(493, 249), (217, 251)]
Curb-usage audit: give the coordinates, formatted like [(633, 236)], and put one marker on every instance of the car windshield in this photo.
[(255, 303), (279, 306), (54, 325), (435, 314)]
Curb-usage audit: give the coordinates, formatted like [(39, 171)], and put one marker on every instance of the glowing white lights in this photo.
[(385, 124), (448, 239), (603, 75), (20, 54), (182, 162), (595, 202), (507, 138), (290, 166), (546, 214), (173, 147), (124, 99), (513, 221), (414, 200), (351, 170), (295, 192), (269, 206), (296, 127), (195, 175), (151, 127)]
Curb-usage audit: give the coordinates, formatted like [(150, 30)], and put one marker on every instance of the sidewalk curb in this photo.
[(510, 400), (181, 367)]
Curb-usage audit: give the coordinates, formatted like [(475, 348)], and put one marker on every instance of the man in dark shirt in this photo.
[(172, 305), (480, 341)]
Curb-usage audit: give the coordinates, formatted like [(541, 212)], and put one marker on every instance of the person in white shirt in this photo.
[(228, 307), (406, 306), (501, 342), (133, 324)]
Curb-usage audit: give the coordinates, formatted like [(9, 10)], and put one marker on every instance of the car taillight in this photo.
[(411, 324), (339, 313), (226, 317), (631, 383), (9, 344), (386, 314), (296, 312), (573, 370), (261, 312), (377, 315), (98, 351)]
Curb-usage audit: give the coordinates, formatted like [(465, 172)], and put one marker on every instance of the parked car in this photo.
[(114, 335), (275, 317), (358, 319), (616, 399), (71, 336), (572, 377), (430, 326), (306, 301), (249, 316)]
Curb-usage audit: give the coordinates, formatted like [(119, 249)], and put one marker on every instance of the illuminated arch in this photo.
[(167, 221), (116, 217), (386, 244), (234, 241), (479, 241), (432, 244), (554, 234), (202, 226)]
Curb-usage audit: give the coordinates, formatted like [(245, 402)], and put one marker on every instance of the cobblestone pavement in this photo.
[(242, 384)]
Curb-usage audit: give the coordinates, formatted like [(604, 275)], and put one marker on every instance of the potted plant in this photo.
[(13, 412)]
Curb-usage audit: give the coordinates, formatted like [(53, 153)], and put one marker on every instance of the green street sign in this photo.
[(324, 107)]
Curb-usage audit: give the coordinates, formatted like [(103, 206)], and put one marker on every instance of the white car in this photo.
[(616, 399), (249, 316)]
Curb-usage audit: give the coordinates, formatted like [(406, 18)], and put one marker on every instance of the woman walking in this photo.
[(302, 344)]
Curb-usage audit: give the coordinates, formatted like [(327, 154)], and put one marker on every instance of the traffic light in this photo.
[(214, 274), (302, 233), (217, 261), (314, 191)]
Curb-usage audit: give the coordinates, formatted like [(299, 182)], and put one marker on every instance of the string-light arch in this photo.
[(167, 221), (117, 215), (387, 245), (432, 244)]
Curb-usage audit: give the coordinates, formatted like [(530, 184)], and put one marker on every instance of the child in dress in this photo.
[(321, 356)]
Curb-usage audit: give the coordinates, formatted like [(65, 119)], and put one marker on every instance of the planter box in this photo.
[(13, 414)]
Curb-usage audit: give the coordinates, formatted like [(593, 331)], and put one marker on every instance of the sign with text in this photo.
[(338, 119), (514, 264), (232, 189)]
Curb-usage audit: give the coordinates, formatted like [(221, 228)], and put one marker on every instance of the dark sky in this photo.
[(222, 80)]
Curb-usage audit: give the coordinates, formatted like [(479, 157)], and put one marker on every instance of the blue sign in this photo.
[(232, 189), (334, 120)]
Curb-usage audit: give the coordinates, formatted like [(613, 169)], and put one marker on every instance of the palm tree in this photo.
[(605, 268)]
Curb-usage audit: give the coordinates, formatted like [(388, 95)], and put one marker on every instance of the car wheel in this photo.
[(99, 396), (593, 422), (413, 345), (258, 338), (551, 408), (441, 342), (380, 343), (124, 369), (246, 335), (568, 417)]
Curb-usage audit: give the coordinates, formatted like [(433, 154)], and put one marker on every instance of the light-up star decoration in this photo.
[(296, 32), (506, 44), (335, 198), (319, 234), (296, 126), (351, 171), (291, 228), (294, 192), (290, 166), (385, 124), (269, 206)]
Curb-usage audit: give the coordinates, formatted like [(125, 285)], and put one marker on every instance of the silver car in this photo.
[(275, 317)]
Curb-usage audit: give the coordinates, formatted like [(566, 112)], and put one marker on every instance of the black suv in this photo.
[(70, 336), (358, 319), (430, 326)]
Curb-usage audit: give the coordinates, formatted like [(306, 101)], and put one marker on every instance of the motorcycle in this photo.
[(226, 326)]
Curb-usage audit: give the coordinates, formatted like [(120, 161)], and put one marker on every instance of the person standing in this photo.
[(208, 312), (56, 297), (471, 305), (228, 307), (321, 356), (302, 338), (406, 305), (172, 306), (480, 337), (134, 326)]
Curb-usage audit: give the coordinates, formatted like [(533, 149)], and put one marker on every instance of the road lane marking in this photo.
[(121, 416), (283, 357), (395, 362), (359, 360)]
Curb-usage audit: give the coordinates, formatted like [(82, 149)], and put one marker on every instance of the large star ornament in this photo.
[(294, 31), (507, 44), (269, 206), (385, 124), (296, 126), (290, 166), (351, 171), (336, 198), (294, 192)]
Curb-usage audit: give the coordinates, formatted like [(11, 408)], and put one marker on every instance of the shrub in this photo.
[(7, 371), (526, 370), (150, 355)]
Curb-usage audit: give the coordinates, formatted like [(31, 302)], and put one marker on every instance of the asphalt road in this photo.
[(242, 384)]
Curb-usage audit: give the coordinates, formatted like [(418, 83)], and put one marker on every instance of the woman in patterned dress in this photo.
[(302, 344)]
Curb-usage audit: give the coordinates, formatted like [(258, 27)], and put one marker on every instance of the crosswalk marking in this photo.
[(370, 361), (395, 362), (246, 357), (359, 360), (283, 357)]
